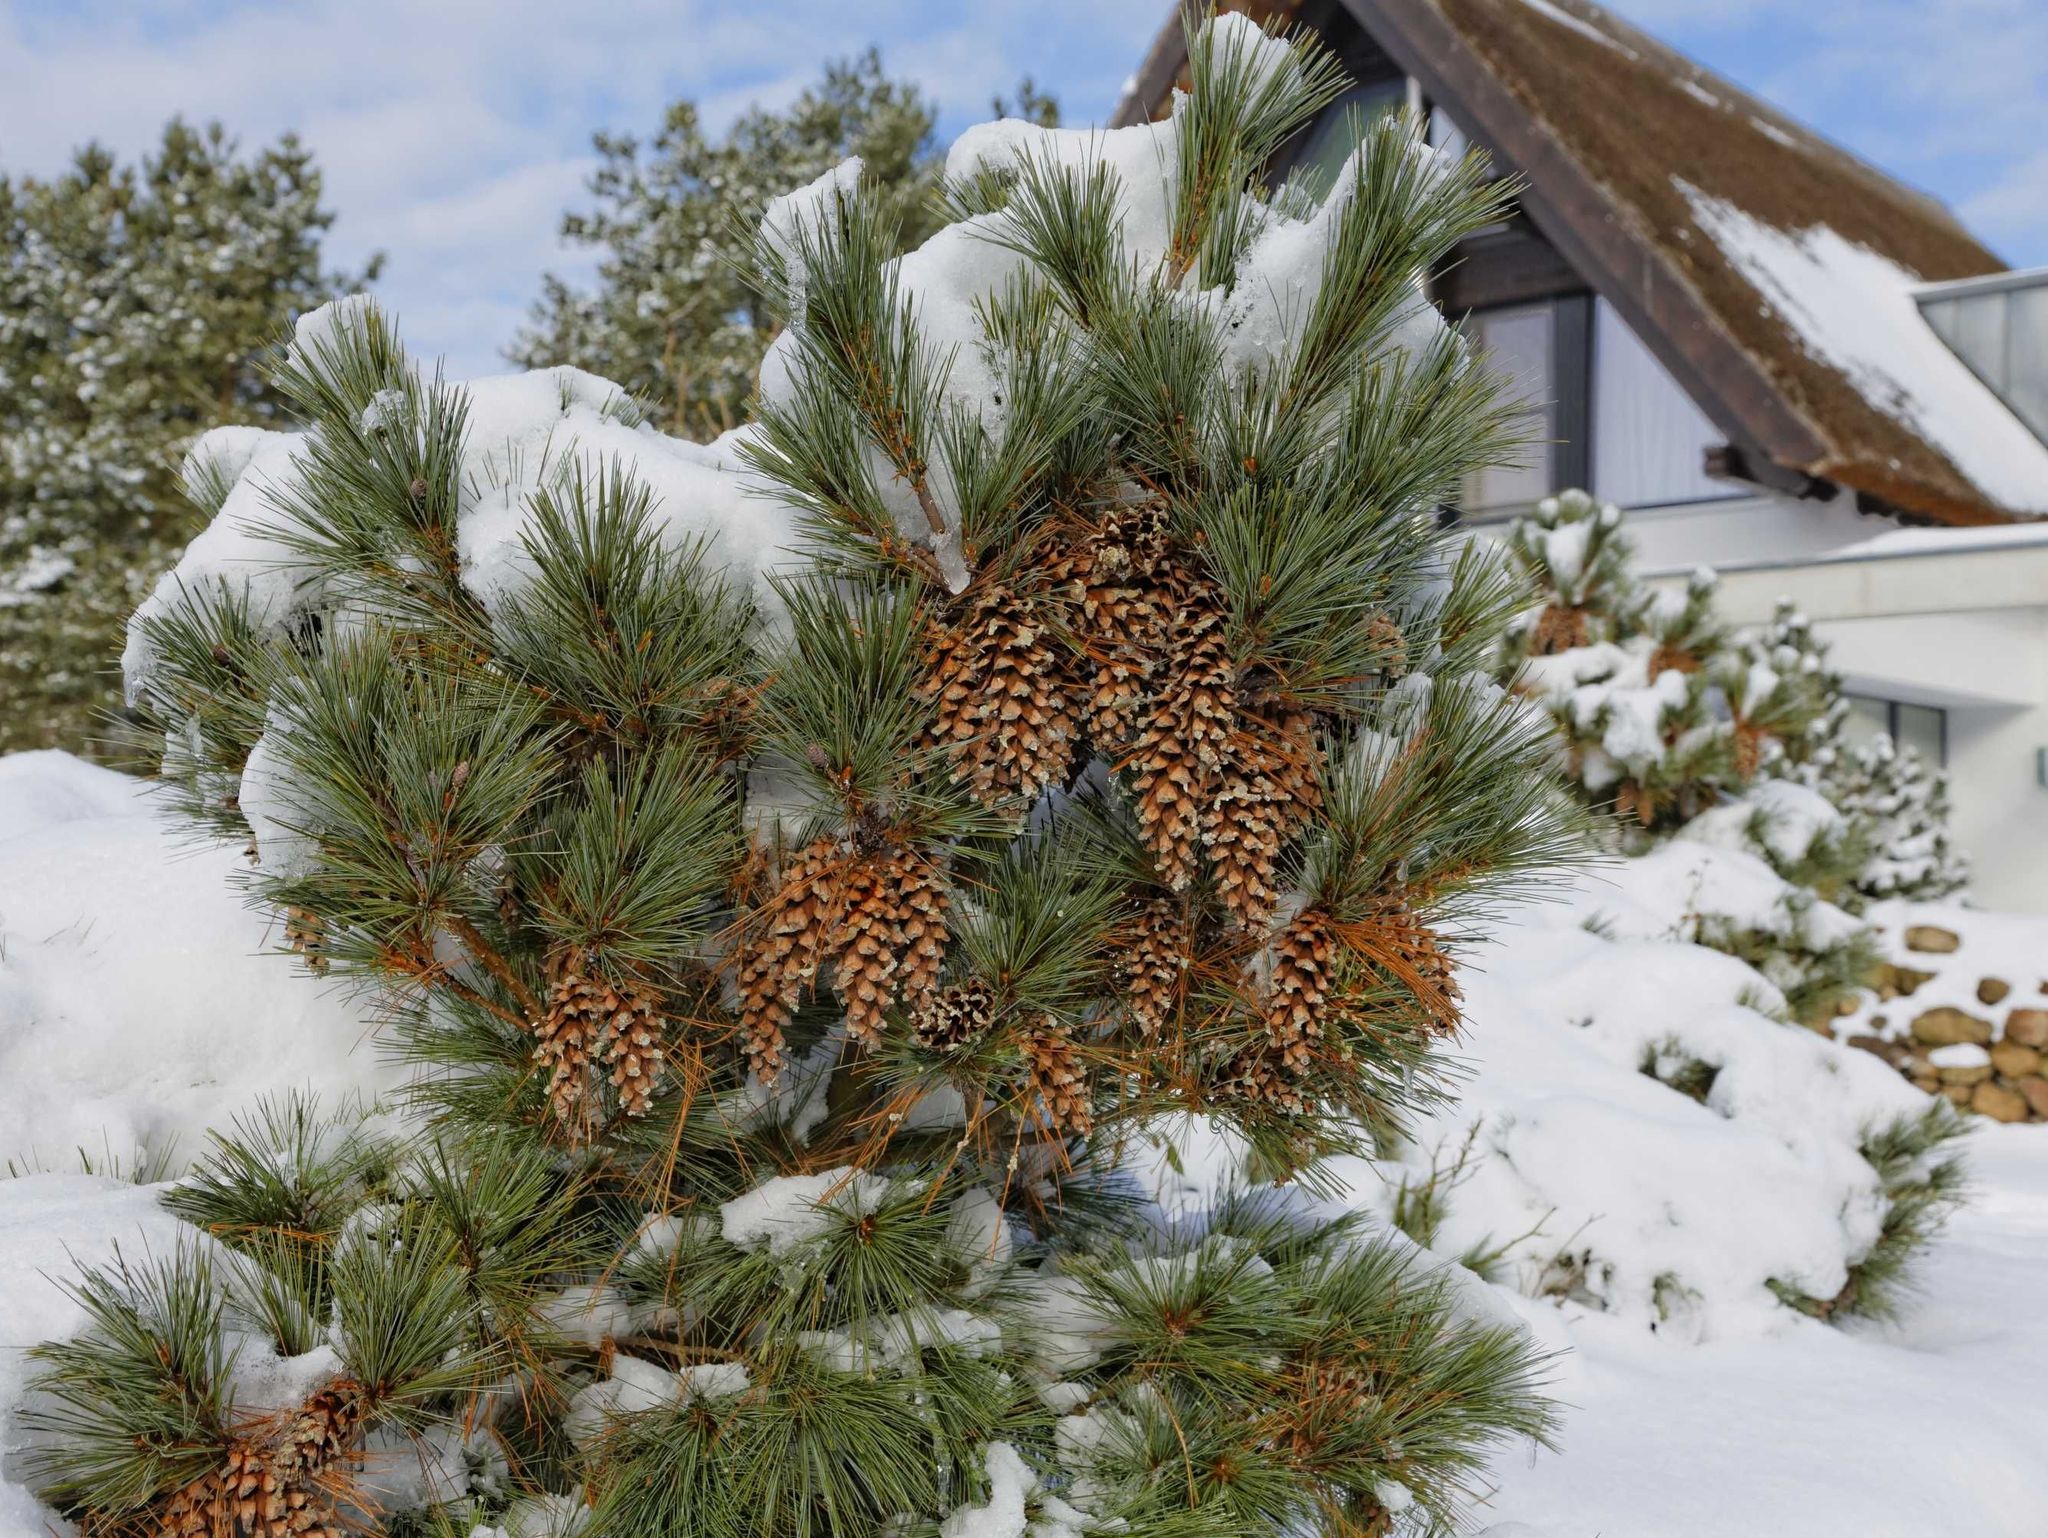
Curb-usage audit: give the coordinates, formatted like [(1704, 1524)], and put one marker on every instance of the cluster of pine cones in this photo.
[(1109, 636), (1104, 638), (275, 1486), (593, 1019)]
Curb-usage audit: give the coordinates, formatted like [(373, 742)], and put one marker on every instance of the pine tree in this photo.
[(788, 960), (1899, 807), (1676, 724), (675, 317), (136, 303), (1629, 674)]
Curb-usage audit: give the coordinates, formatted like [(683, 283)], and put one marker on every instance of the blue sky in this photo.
[(454, 132)]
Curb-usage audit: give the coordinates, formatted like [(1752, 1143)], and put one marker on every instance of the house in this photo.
[(1785, 363)]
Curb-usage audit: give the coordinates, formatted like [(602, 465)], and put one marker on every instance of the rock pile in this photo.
[(1991, 1058)]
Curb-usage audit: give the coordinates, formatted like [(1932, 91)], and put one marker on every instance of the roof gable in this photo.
[(1638, 164)]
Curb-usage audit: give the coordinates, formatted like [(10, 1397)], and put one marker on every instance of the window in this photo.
[(1923, 728), (1998, 325), (1338, 129), (1518, 346), (1649, 439)]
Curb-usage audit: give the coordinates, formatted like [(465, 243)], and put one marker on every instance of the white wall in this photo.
[(1956, 618)]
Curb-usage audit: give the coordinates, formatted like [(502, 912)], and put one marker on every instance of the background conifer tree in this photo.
[(136, 304), (790, 963), (674, 316)]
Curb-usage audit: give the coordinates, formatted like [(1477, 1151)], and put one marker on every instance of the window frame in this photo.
[(1891, 710)]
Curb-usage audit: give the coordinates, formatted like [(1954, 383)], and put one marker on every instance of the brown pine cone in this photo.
[(1057, 1079), (955, 1016), (1185, 743), (892, 940), (1006, 714), (783, 949), (1301, 958), (1153, 965)]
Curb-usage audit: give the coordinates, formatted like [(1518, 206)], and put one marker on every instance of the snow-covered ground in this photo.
[(1637, 1223), (138, 1002), (1936, 1428)]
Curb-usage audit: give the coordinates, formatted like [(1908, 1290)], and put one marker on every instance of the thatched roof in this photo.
[(1703, 215)]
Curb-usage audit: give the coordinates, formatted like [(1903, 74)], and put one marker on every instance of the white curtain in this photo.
[(1649, 438)]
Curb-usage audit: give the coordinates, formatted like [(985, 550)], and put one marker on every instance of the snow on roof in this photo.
[(1856, 311)]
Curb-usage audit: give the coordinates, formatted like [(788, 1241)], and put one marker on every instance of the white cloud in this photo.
[(453, 133)]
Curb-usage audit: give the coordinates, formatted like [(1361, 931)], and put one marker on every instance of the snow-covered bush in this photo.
[(1680, 728), (1630, 676), (1899, 809), (798, 865)]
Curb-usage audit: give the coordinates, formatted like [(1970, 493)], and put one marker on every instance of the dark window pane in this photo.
[(1923, 728)]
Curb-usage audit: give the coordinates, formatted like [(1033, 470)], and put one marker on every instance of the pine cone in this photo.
[(1559, 628), (632, 1045), (1152, 965), (1185, 742), (1301, 955), (784, 953), (1120, 593), (892, 939), (954, 1016), (1390, 646), (567, 1038), (1057, 1079), (1263, 792), (304, 933), (1260, 1074), (1005, 711), (1323, 1395), (1399, 942), (200, 1509)]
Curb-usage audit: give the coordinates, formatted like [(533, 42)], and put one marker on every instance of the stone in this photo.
[(1992, 990), (2035, 1089), (1931, 940), (1958, 1094), (1965, 1073), (1895, 982), (1944, 1027), (2013, 1060), (2028, 1027), (1994, 1100)]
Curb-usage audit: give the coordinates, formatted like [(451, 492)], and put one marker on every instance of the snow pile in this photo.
[(138, 1003), (1855, 311), (780, 1214), (1933, 1427), (526, 432), (1639, 1135)]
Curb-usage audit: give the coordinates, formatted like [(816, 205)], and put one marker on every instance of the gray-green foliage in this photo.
[(137, 303), (1924, 1179), (674, 317), (1897, 805), (774, 1056)]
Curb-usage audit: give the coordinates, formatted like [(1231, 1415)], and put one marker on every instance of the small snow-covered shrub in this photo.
[(1899, 807)]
